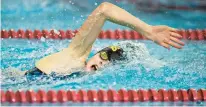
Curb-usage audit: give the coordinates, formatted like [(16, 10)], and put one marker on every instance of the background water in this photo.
[(149, 65), (70, 14)]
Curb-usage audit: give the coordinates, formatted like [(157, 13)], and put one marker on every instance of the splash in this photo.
[(12, 72), (12, 76), (137, 53)]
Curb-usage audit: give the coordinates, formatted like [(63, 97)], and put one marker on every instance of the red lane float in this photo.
[(110, 95), (195, 34), (92, 95), (41, 96)]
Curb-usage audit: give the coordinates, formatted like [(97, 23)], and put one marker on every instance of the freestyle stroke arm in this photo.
[(89, 31)]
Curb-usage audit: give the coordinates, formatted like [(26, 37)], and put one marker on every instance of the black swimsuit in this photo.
[(35, 72)]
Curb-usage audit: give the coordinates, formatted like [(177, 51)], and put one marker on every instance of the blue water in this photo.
[(148, 65), (70, 14)]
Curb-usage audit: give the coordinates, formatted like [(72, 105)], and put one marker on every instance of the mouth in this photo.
[(94, 67)]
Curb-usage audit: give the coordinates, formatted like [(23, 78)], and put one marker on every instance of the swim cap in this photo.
[(111, 53)]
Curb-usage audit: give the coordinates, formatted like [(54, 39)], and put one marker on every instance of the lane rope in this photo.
[(122, 95), (195, 34)]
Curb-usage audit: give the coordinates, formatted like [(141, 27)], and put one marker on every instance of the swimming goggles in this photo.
[(104, 54)]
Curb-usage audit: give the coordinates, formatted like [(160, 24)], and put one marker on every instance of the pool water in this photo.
[(147, 66), (70, 14)]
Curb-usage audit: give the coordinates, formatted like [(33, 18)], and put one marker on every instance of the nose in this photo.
[(100, 63)]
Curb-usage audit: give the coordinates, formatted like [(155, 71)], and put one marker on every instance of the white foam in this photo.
[(137, 53)]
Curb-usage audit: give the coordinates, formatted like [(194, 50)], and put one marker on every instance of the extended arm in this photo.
[(91, 28)]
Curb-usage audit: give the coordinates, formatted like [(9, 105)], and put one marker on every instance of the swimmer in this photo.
[(76, 54)]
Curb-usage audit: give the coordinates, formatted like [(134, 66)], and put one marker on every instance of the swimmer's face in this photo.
[(95, 63)]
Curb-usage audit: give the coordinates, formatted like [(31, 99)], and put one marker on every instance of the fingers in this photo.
[(175, 35), (177, 41), (173, 42), (165, 45), (174, 45)]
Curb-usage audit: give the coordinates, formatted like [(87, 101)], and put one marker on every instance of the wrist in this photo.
[(146, 31)]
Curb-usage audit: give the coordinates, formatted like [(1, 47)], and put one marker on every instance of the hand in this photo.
[(166, 37)]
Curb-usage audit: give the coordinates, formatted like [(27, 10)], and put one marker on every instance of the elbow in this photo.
[(105, 7)]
